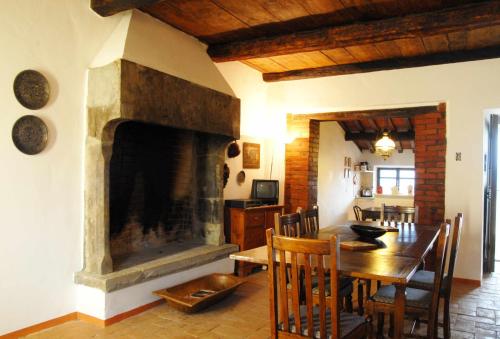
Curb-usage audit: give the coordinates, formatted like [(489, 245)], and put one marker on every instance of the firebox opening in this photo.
[(151, 195)]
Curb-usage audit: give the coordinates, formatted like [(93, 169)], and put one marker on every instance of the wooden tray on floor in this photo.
[(197, 294)]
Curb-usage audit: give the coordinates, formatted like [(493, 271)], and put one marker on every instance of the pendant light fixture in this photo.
[(385, 145)]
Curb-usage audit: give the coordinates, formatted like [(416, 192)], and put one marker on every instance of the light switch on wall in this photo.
[(458, 156)]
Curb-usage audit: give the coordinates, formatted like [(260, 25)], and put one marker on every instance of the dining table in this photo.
[(396, 258)]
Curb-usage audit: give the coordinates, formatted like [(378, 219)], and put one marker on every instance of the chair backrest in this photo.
[(399, 213), (438, 278), (309, 220), (455, 242), (307, 255), (358, 213), (287, 224)]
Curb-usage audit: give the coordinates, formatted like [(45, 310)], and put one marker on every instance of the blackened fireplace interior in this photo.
[(152, 193)]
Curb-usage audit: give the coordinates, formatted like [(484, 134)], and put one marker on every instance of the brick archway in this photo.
[(301, 157)]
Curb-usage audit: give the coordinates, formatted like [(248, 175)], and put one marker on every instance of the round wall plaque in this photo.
[(30, 134), (31, 89)]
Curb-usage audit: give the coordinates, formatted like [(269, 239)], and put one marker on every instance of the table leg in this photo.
[(399, 311)]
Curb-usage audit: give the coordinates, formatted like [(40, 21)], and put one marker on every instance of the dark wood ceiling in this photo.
[(365, 132), (294, 39)]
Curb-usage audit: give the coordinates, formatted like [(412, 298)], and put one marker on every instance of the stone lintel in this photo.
[(157, 268), (124, 90)]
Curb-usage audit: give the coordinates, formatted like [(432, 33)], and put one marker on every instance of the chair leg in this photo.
[(446, 320), (361, 310), (391, 325), (368, 289), (380, 324), (348, 303)]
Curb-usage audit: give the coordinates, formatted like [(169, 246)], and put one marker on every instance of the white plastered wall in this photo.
[(336, 191), (257, 126), (41, 196), (406, 158)]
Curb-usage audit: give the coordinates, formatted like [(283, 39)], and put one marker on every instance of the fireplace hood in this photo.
[(124, 91)]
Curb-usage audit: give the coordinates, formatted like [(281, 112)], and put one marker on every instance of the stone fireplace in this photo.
[(153, 175)]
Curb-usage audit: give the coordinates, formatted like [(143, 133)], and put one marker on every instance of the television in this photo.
[(266, 191)]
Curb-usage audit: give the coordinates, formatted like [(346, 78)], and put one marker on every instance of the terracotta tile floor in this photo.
[(475, 314)]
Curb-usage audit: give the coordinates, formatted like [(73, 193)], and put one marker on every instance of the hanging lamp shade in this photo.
[(385, 146)]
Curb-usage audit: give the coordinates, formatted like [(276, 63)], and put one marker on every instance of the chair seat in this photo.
[(344, 284), (414, 297), (425, 280), (348, 322)]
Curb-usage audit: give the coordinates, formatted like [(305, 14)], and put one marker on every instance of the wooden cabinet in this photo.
[(247, 229)]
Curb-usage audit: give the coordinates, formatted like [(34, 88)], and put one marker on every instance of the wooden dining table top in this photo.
[(395, 261)]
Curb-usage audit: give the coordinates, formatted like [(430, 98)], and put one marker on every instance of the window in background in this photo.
[(388, 177)]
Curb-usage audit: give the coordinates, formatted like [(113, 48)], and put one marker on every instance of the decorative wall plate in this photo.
[(30, 134), (31, 89)]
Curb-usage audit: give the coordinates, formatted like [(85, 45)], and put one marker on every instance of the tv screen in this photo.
[(265, 190)]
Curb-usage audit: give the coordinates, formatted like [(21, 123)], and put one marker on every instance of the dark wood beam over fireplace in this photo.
[(415, 25), (110, 7)]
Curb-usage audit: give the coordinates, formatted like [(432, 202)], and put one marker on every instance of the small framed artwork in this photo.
[(251, 155)]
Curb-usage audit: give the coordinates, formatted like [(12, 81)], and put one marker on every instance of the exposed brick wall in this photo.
[(301, 163), (298, 164), (430, 165), (313, 163)]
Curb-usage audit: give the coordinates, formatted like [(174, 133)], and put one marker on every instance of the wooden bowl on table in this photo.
[(368, 232)]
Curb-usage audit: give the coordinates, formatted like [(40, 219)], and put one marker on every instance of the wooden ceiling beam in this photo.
[(373, 136), (386, 64), (444, 21), (110, 7), (367, 114), (359, 126)]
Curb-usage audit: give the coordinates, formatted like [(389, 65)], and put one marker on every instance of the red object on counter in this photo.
[(379, 190)]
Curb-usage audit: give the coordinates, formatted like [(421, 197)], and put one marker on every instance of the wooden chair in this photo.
[(321, 320), (418, 302), (424, 279), (288, 225), (309, 220), (292, 225), (398, 214), (358, 212)]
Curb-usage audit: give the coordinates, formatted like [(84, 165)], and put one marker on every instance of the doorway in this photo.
[(301, 173), (491, 252)]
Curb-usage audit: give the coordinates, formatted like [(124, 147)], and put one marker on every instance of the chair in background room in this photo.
[(424, 279), (418, 302), (309, 220), (323, 319), (288, 225), (358, 213), (398, 214)]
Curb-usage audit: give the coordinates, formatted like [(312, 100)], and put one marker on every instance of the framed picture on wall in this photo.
[(251, 155)]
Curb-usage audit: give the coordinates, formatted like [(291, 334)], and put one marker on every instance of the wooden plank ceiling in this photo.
[(365, 132), (294, 39)]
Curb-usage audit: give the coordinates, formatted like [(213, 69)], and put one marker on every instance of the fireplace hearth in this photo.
[(153, 175)]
